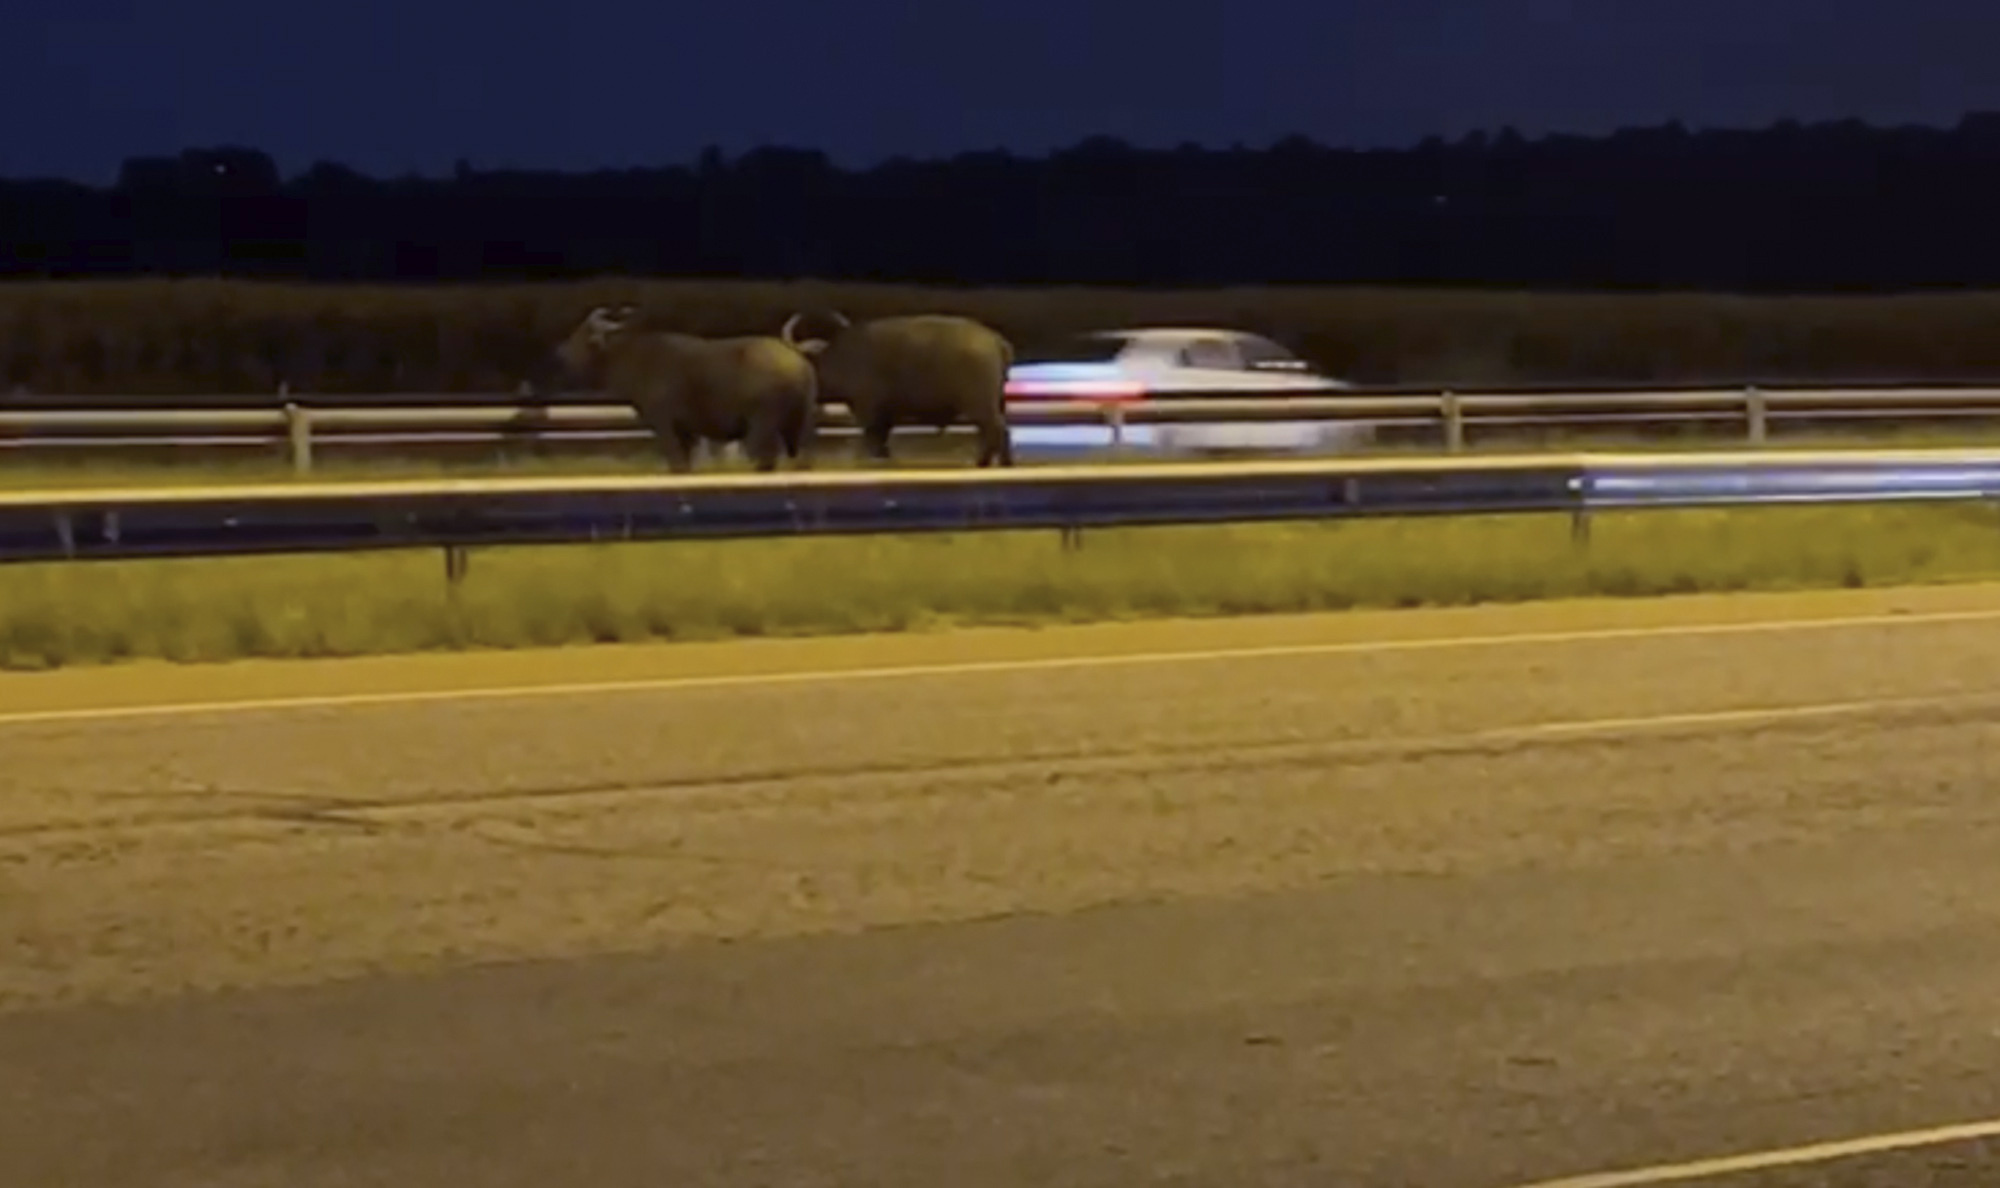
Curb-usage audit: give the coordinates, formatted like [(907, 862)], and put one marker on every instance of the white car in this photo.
[(1164, 363)]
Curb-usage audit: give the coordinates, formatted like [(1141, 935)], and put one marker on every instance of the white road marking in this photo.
[(760, 783), (1669, 1173), (1588, 727), (672, 684)]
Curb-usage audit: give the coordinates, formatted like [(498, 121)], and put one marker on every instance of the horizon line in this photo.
[(693, 161)]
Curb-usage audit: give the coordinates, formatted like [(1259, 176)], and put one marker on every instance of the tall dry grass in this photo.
[(189, 337)]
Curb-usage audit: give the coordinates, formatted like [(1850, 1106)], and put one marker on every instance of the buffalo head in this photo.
[(811, 346), (585, 346)]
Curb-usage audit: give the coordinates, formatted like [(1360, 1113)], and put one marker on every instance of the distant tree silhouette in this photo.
[(1833, 207)]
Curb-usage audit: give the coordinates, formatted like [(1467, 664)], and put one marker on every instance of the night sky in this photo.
[(390, 86)]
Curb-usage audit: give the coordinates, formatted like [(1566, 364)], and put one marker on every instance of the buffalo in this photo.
[(925, 369), (758, 390)]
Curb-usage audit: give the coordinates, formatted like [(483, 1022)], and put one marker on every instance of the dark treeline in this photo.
[(1840, 207)]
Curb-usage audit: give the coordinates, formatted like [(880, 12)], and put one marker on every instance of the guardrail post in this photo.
[(1757, 414), (456, 562), (66, 534), (1454, 423), (298, 435), (1114, 416)]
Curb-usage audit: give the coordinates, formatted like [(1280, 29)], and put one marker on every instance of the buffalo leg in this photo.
[(875, 438), (678, 445), (996, 444), (798, 440), (762, 444)]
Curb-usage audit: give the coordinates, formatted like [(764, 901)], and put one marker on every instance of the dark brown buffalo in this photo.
[(757, 390), (925, 369)]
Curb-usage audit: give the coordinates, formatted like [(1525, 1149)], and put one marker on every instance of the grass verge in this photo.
[(200, 610)]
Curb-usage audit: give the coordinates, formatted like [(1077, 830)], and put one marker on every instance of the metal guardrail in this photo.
[(432, 421), (456, 515)]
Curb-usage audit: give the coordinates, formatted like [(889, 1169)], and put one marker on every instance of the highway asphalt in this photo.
[(1467, 912)]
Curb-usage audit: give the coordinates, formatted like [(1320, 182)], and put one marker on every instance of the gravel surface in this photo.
[(1451, 915)]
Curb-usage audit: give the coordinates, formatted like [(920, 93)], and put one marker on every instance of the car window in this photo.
[(1076, 348), (1264, 354), (1217, 353)]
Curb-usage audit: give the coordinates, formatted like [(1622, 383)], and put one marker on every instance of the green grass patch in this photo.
[(195, 610)]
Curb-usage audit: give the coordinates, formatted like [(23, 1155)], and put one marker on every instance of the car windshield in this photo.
[(1075, 348)]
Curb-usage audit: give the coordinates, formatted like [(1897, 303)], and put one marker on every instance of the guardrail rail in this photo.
[(455, 515), (427, 422)]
